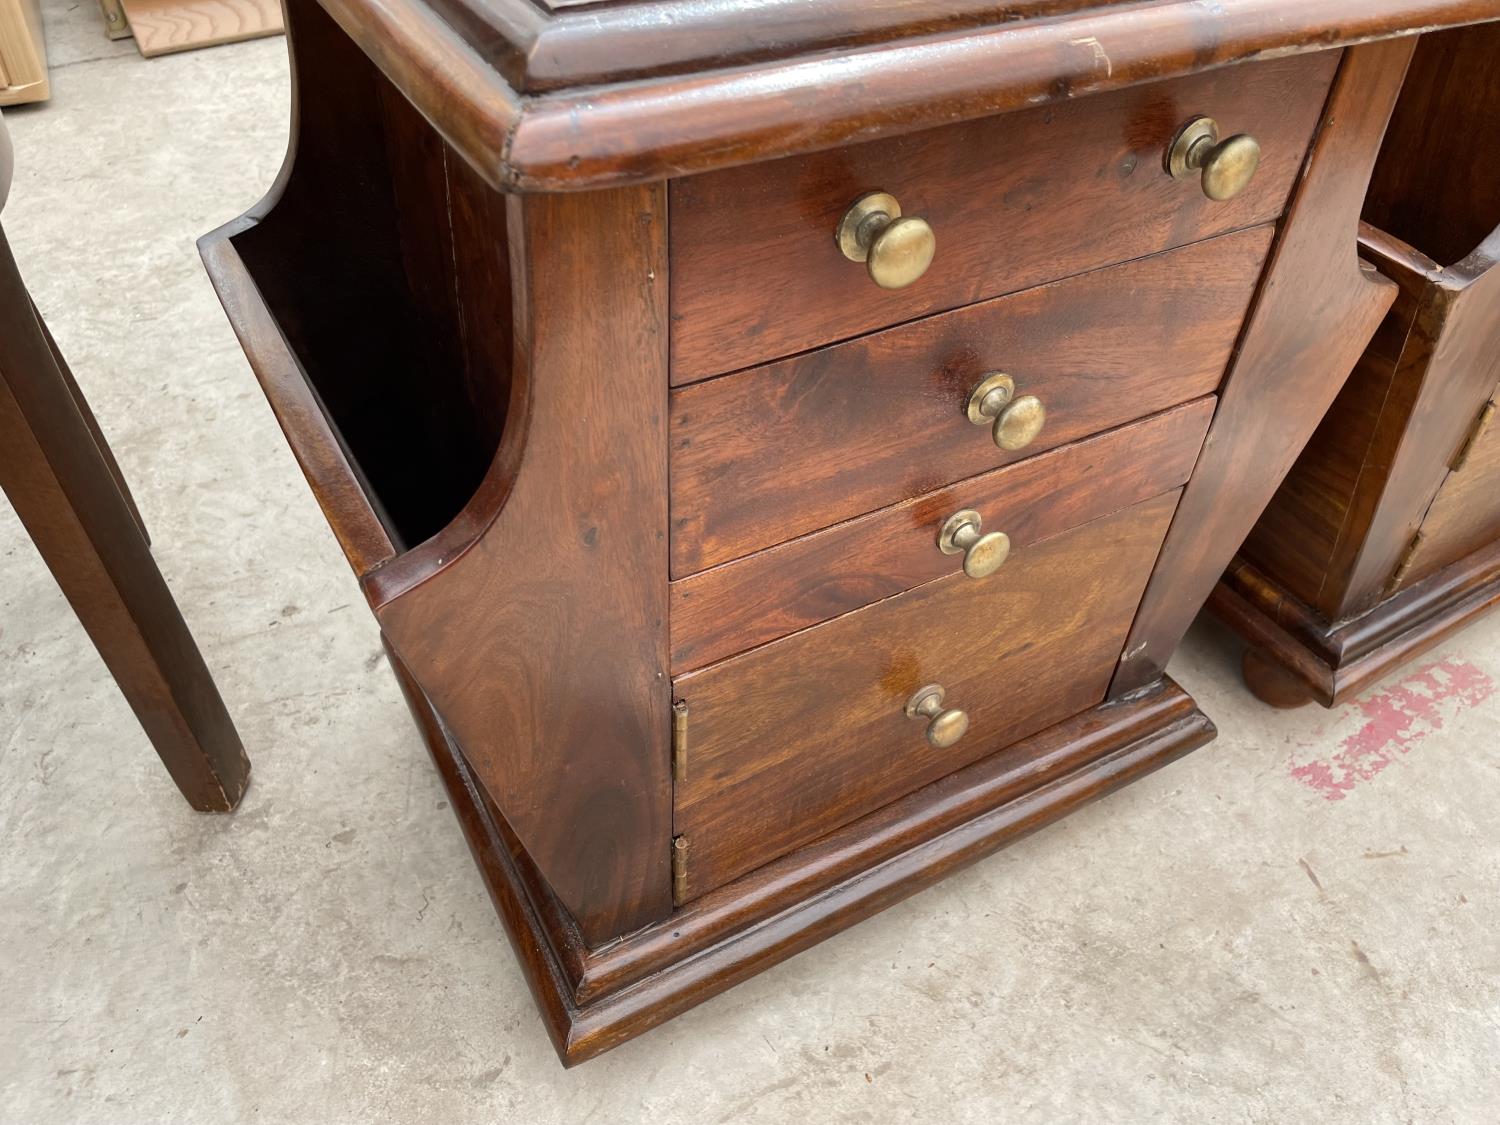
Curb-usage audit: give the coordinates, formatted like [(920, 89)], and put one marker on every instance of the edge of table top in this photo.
[(598, 95)]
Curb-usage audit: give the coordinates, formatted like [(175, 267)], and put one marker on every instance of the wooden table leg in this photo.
[(65, 486), (93, 425)]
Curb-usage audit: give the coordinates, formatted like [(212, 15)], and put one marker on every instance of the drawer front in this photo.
[(797, 738), (762, 456), (752, 601), (1013, 201)]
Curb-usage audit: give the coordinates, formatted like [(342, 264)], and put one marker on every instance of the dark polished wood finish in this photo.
[(565, 548), (595, 999), (1316, 309), (1399, 487), (1014, 201), (1465, 514), (571, 567), (1296, 657), (59, 475), (430, 537), (775, 593), (619, 94), (600, 523), (765, 455), (1375, 470), (1271, 683), (569, 414), (1018, 651)]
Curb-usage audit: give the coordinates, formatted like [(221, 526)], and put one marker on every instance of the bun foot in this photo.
[(1272, 684)]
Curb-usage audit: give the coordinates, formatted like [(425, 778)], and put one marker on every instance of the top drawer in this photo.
[(1014, 201)]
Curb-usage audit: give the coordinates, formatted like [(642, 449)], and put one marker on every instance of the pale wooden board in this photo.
[(163, 26), (23, 58)]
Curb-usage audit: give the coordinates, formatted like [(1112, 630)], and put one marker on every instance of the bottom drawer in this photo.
[(794, 739)]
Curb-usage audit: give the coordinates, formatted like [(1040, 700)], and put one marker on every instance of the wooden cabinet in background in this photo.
[(783, 444), (1385, 537)]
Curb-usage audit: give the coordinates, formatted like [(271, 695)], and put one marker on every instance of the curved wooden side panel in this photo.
[(1452, 365), (1431, 191), (475, 388), (364, 288), (543, 645), (1316, 310), (1382, 455), (342, 495)]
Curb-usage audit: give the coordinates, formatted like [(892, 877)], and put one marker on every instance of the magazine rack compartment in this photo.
[(358, 278)]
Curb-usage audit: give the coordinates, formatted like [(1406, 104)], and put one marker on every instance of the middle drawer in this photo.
[(765, 455), (771, 594)]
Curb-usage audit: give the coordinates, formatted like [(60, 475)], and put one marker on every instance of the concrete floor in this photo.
[(1295, 924)]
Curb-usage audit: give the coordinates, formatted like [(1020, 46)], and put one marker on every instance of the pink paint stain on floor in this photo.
[(1397, 720)]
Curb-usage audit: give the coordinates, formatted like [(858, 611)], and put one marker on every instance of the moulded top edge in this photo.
[(590, 93)]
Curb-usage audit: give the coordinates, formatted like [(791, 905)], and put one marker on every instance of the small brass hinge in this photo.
[(1407, 558), (679, 869), (1461, 458), (679, 740)]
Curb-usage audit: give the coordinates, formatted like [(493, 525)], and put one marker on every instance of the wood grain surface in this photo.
[(161, 27), (23, 59), (1465, 514), (1430, 191), (633, 92), (1346, 515), (1296, 656), (594, 1000), (526, 603), (1431, 188), (801, 736), (371, 254), (771, 594), (1313, 316), (340, 489), (1014, 201), (765, 455), (1315, 527), (536, 624)]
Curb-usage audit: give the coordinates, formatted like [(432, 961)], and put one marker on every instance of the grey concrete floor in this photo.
[(1295, 924)]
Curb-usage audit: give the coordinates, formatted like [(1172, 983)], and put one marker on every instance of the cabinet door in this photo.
[(1465, 515)]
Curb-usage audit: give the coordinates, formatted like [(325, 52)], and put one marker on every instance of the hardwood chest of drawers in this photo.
[(1385, 536), (784, 442)]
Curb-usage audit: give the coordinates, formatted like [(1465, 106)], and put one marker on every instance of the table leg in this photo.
[(67, 491)]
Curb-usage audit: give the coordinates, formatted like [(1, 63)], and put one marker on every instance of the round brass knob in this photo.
[(1015, 422), (1226, 167), (946, 726), (983, 554), (895, 250)]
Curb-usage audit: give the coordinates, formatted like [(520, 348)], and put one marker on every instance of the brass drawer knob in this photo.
[(1014, 422), (896, 251), (1227, 167), (946, 726), (983, 554)]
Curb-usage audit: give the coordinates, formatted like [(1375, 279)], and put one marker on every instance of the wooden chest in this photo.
[(1385, 537), (783, 443)]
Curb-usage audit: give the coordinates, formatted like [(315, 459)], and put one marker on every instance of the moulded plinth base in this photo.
[(595, 999), (1295, 657)]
